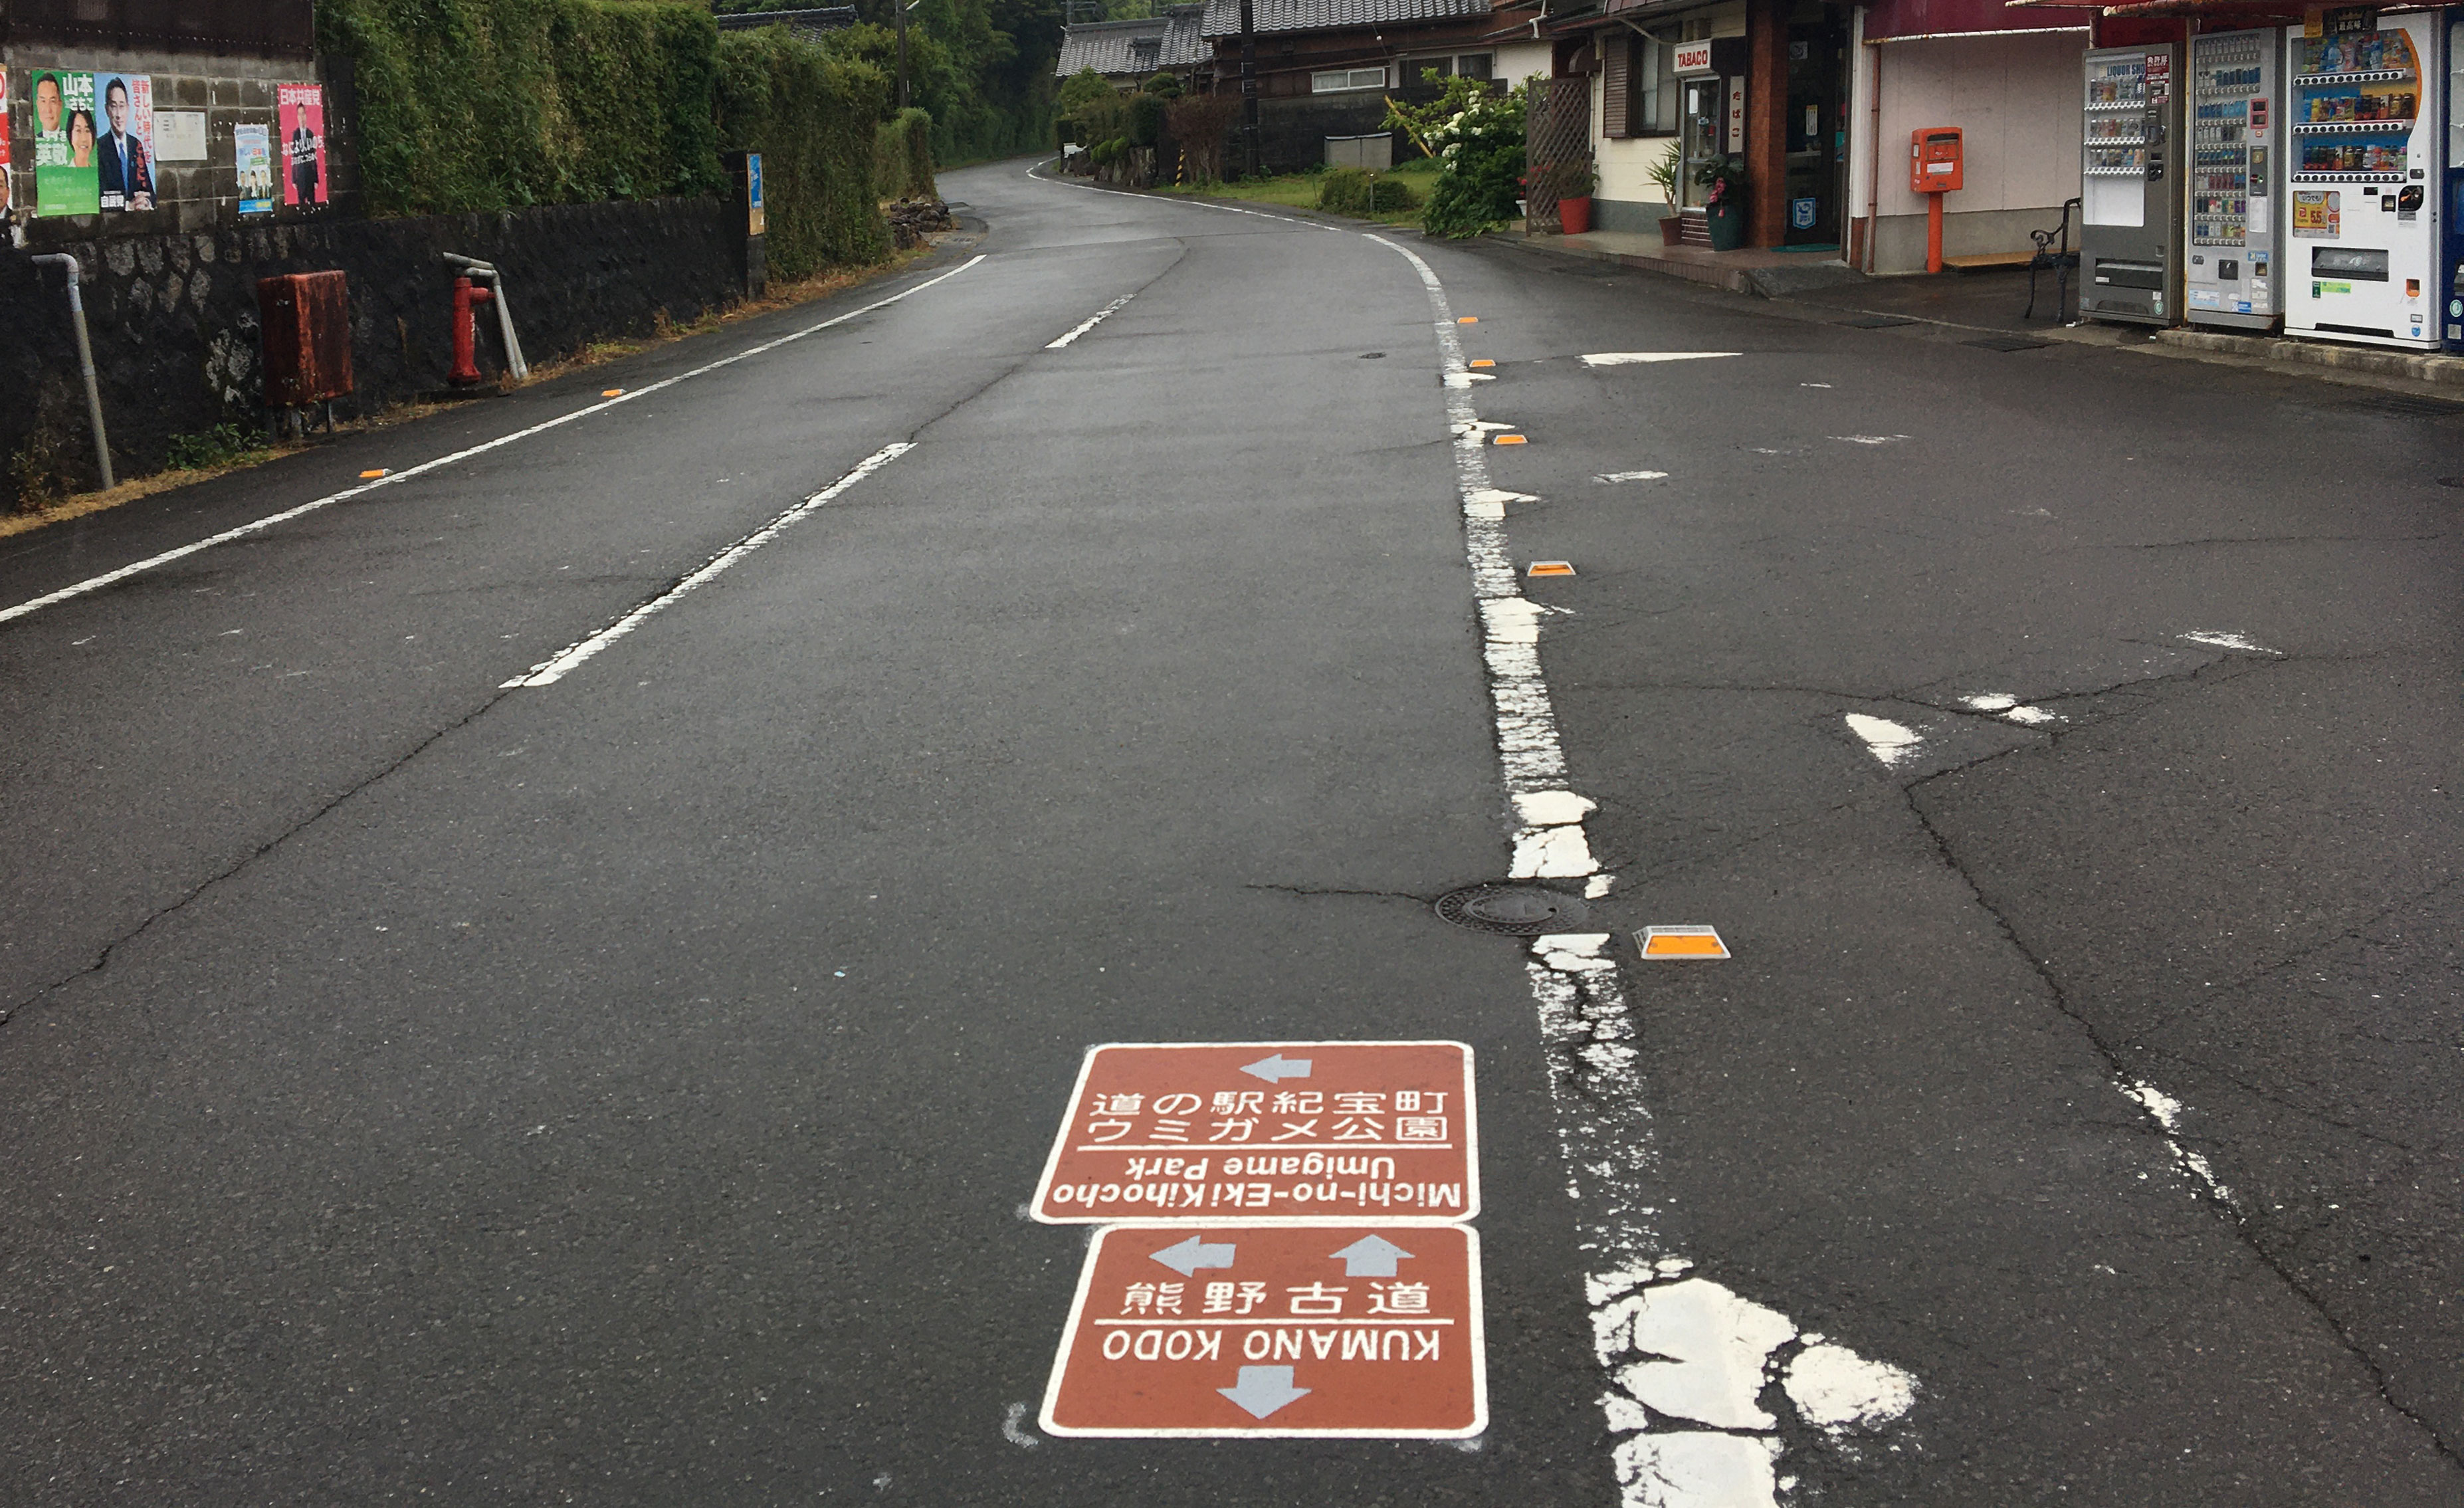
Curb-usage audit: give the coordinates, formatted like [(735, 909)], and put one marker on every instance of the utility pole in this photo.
[(1249, 84), (903, 9)]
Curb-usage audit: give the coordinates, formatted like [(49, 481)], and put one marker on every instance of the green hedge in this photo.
[(491, 105), (811, 117), (902, 155)]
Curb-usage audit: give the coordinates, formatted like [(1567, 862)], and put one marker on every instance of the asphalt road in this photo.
[(627, 1089)]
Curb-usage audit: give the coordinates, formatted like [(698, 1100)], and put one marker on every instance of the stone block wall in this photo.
[(173, 317)]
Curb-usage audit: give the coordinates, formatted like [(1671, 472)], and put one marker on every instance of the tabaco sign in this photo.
[(1277, 1329), (1316, 1131), (1694, 57)]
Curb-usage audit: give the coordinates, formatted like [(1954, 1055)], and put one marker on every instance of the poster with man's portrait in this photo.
[(64, 137), (299, 123), (123, 153)]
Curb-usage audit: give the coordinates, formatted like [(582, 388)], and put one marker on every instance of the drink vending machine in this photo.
[(2455, 258), (2235, 180), (2364, 227), (2130, 206)]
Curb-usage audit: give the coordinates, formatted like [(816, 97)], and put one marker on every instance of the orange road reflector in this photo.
[(1482, 361), (371, 475), (1510, 440), (1468, 318), (1550, 568), (612, 392), (1681, 943)]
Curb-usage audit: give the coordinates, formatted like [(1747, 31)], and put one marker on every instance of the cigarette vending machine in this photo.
[(2130, 209), (2235, 180), (2454, 167), (2365, 240)]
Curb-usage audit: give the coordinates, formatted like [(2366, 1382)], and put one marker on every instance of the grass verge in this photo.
[(1299, 190)]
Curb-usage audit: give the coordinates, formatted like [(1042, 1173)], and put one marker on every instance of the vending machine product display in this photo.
[(2455, 224), (2234, 181), (2130, 204), (2363, 233)]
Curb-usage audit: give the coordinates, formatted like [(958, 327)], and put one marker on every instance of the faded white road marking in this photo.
[(2032, 715), (1012, 1421), (1837, 1390), (2219, 639), (1603, 1126), (1091, 321), (548, 672), (1870, 439), (1890, 742), (2167, 1112), (1636, 358), (1632, 475), (391, 478), (1990, 702), (1466, 379), (2004, 705)]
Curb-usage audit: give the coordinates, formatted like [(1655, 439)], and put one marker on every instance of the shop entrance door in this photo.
[(1817, 131), (1700, 134)]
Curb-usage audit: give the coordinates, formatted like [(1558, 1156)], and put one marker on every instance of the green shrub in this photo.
[(1351, 190), (811, 117), (491, 105), (1482, 149), (223, 445), (903, 156), (1146, 117)]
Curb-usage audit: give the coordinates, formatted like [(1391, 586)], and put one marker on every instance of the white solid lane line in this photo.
[(258, 525), (1091, 321), (548, 672), (1684, 1360)]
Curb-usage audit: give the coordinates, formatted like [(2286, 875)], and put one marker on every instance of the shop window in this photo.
[(1335, 80)]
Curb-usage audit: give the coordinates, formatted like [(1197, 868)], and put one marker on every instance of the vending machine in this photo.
[(2235, 176), (2454, 227), (2367, 256), (2130, 203)]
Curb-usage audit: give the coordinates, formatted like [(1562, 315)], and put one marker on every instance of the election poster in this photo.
[(299, 119), (8, 182), (252, 150), (64, 133), (124, 154)]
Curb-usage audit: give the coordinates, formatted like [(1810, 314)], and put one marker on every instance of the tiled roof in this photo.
[(1224, 16), (1132, 48)]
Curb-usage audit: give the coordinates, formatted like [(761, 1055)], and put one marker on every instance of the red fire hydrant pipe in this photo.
[(467, 296)]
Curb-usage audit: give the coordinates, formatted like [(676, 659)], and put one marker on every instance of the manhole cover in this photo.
[(2006, 342), (1373, 356), (1519, 911), (1873, 322)]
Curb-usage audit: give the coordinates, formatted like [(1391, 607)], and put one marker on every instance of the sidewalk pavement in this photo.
[(1995, 299)]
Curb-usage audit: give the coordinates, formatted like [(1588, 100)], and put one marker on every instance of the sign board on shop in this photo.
[(1313, 1131), (1694, 57), (1275, 1329)]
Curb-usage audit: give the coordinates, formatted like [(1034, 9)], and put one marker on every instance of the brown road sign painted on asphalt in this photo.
[(1367, 1330), (1322, 1131)]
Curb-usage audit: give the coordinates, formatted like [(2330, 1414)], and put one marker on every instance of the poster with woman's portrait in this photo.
[(124, 152), (299, 123), (64, 139)]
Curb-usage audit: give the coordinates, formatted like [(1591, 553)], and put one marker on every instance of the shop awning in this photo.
[(1905, 20)]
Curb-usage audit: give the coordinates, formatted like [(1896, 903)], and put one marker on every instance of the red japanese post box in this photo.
[(1934, 160), (306, 318)]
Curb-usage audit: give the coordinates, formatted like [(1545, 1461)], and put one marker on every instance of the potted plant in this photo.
[(1572, 183), (1724, 201), (1664, 173)]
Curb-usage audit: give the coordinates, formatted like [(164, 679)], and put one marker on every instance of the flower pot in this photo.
[(1672, 229), (1575, 214), (1727, 220)]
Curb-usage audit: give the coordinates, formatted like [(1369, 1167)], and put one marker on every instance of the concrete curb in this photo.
[(2444, 370), (1756, 282)]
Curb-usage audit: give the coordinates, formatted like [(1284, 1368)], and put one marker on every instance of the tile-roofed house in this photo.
[(1224, 16), (1129, 50)]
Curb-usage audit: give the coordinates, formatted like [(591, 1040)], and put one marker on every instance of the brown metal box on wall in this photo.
[(307, 343)]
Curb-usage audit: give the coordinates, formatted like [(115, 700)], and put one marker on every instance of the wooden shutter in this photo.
[(1616, 85)]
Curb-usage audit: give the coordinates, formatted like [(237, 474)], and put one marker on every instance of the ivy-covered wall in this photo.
[(811, 117)]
